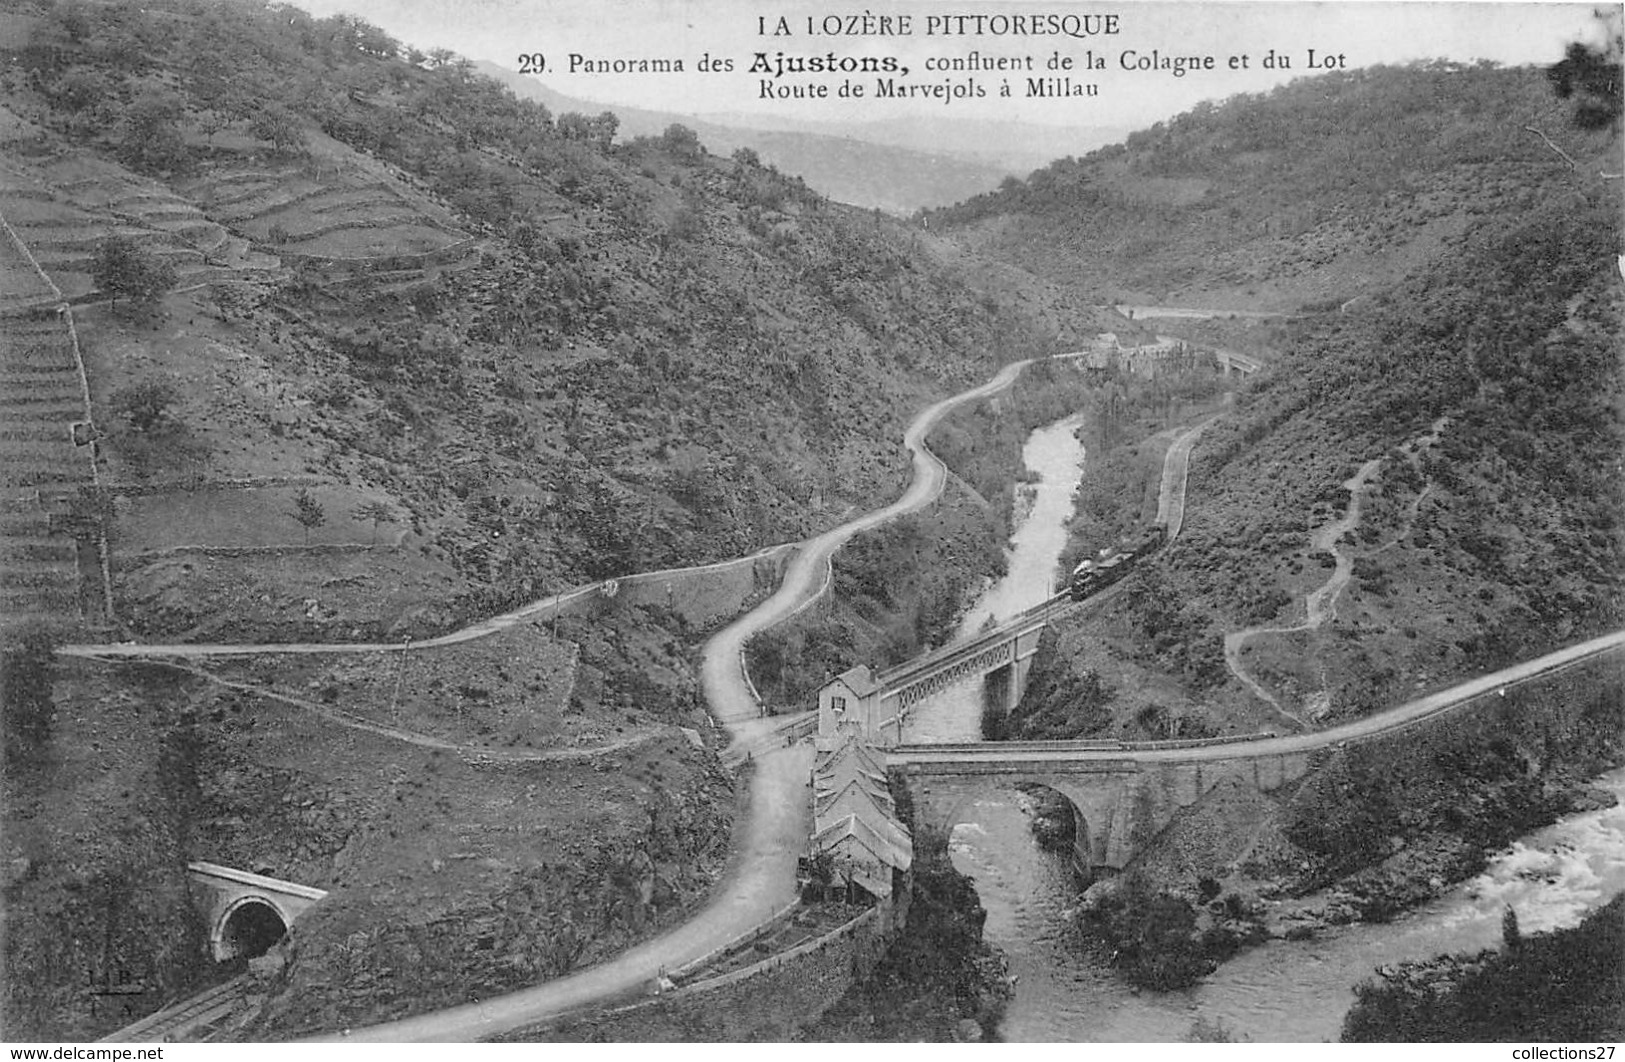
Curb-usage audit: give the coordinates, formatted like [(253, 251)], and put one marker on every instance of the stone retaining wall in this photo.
[(702, 596), (767, 1001), (383, 263)]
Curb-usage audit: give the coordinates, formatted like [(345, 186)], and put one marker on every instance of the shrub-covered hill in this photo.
[(1318, 192), (554, 356), (1439, 463), (391, 350)]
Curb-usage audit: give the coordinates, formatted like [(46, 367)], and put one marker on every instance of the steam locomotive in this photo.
[(1095, 575)]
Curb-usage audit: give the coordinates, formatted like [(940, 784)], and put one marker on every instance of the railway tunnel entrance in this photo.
[(250, 928), (246, 913)]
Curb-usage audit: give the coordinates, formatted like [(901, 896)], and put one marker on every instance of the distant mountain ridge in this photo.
[(896, 165)]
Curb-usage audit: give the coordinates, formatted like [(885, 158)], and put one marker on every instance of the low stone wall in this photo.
[(703, 596), (695, 971), (384, 263), (199, 484), (292, 549), (767, 1001)]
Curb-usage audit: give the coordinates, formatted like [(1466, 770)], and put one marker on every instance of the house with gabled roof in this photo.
[(859, 851), (849, 698)]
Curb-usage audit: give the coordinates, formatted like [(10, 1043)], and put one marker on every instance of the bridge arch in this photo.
[(956, 809), (943, 802)]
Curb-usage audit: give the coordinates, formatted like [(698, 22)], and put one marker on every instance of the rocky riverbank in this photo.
[(940, 982), (1563, 985), (1374, 831)]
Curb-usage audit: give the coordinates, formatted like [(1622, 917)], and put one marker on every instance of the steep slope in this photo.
[(1318, 192), (417, 351), (1424, 485), (550, 357)]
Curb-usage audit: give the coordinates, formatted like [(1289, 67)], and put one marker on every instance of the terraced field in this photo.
[(41, 468), (343, 220), (243, 222)]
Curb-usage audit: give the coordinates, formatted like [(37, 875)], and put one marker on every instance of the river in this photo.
[(1054, 453), (1282, 991)]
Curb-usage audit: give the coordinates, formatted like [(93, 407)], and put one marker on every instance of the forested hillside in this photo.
[(373, 349), (1439, 460), (552, 355), (1559, 985), (1305, 197), (1422, 485)]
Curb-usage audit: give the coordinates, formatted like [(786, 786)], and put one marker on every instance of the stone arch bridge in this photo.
[(1125, 793), (1122, 794)]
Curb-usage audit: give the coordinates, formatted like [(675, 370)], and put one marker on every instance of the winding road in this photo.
[(1412, 713), (761, 877), (760, 880), (1176, 468), (1320, 604)]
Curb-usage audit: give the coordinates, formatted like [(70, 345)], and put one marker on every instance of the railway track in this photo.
[(188, 1020)]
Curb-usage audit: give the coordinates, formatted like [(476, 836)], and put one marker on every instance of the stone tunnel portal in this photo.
[(250, 928)]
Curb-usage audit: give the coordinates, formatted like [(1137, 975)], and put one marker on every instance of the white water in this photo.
[(1280, 992)]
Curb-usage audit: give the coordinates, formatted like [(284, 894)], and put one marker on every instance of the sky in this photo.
[(1349, 34)]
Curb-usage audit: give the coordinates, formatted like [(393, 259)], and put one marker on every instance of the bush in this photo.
[(146, 404), (26, 675), (1152, 935)]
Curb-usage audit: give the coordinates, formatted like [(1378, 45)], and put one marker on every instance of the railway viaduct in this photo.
[(881, 703)]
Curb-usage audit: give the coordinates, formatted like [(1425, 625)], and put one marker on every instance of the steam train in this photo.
[(1096, 574)]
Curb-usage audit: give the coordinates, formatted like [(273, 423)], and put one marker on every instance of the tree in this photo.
[(122, 267), (574, 126), (604, 128), (74, 20), (688, 223), (1590, 75), (80, 90), (378, 512), (151, 139), (277, 125), (146, 404), (1511, 935), (308, 512), (682, 142)]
